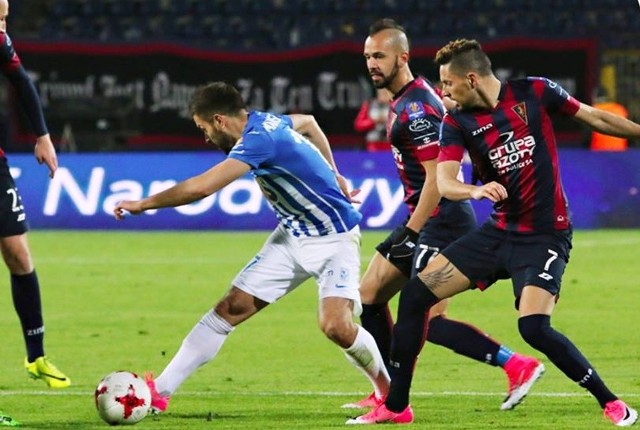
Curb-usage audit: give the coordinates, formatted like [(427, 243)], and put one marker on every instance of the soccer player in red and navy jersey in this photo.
[(434, 222), (25, 288), (506, 127)]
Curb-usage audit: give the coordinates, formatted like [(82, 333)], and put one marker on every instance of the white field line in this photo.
[(206, 394), (101, 261), (589, 243), (366, 256)]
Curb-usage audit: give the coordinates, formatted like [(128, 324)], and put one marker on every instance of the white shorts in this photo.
[(286, 261)]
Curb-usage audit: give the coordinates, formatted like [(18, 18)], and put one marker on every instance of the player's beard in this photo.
[(387, 80), (223, 141)]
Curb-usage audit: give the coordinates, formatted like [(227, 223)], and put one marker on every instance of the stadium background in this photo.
[(115, 78), (117, 300)]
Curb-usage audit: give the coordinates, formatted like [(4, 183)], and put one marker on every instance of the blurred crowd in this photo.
[(249, 25)]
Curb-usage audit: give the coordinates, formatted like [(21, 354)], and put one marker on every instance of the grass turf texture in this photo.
[(125, 300)]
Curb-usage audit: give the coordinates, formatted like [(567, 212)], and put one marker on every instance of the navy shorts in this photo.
[(12, 216), (489, 254), (454, 220)]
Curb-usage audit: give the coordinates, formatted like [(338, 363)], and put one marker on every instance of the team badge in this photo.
[(521, 110), (415, 110)]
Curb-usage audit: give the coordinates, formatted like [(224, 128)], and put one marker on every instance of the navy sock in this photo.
[(463, 339), (408, 337), (376, 319), (25, 291), (536, 330)]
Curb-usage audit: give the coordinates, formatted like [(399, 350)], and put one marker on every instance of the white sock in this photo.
[(199, 347), (364, 354)]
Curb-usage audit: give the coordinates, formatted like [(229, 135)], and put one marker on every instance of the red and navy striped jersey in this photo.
[(12, 68), (9, 60), (412, 130), (514, 144)]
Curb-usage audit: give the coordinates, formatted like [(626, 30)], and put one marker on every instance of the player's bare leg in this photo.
[(336, 322)]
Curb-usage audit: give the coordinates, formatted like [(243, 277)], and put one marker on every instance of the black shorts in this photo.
[(12, 216), (453, 220), (489, 254)]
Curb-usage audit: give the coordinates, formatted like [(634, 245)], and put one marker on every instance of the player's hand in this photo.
[(491, 190), (449, 104), (46, 153), (132, 207), (403, 248), (344, 186)]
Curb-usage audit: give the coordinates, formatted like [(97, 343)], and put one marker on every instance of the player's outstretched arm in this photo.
[(607, 122), (189, 191)]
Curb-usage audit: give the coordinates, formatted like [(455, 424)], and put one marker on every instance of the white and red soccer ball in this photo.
[(122, 398)]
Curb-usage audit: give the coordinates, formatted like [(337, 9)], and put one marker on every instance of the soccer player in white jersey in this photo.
[(317, 235)]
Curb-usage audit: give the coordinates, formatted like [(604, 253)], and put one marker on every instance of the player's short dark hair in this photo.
[(216, 97), (387, 24), (464, 55)]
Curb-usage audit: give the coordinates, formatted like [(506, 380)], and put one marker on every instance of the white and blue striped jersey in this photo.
[(295, 178)]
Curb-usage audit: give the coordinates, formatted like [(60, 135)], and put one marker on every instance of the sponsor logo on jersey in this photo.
[(482, 129), (420, 124), (512, 154)]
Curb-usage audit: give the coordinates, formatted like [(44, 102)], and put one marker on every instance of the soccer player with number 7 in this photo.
[(506, 127), (412, 129)]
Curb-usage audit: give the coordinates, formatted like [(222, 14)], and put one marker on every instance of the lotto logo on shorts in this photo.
[(344, 274)]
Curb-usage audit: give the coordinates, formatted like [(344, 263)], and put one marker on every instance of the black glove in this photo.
[(402, 248)]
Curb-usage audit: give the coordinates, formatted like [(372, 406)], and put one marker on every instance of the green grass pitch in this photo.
[(125, 300)]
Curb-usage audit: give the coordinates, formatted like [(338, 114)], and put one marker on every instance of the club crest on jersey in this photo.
[(415, 110), (521, 110)]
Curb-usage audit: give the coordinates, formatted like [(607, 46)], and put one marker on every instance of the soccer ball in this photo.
[(122, 398)]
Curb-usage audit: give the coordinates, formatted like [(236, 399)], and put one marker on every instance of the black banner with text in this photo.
[(142, 91)]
